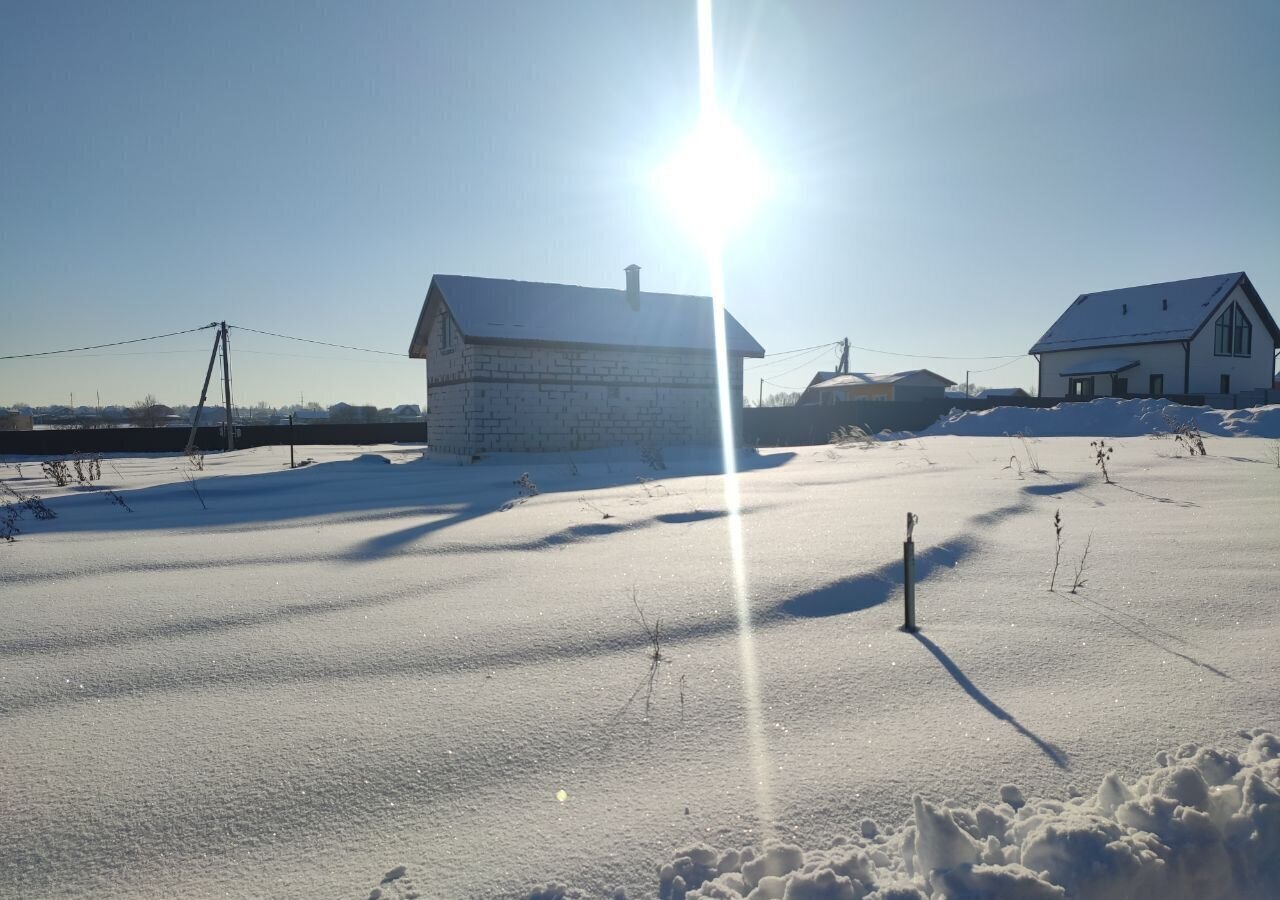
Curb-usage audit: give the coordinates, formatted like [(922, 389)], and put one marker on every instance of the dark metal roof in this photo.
[(1147, 314), (494, 310)]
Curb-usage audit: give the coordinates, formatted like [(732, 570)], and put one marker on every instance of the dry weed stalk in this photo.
[(1079, 580)]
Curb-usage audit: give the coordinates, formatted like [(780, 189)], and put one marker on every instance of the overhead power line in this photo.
[(311, 356), (993, 368), (289, 337), (802, 349), (759, 365), (809, 361), (927, 356), (154, 337)]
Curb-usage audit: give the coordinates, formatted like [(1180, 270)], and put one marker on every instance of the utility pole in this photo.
[(226, 385), (844, 357), (966, 384), (204, 392), (760, 402)]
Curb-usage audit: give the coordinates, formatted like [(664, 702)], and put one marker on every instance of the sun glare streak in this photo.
[(714, 224)]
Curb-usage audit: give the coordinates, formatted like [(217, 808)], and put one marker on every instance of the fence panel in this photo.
[(60, 442)]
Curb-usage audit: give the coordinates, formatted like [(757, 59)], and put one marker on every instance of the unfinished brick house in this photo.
[(516, 366)]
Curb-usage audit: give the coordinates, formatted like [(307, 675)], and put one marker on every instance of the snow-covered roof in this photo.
[(1104, 366), (1002, 392), (863, 378), (1147, 314), (495, 310)]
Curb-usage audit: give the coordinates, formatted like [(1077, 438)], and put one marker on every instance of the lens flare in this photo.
[(723, 181), (714, 180)]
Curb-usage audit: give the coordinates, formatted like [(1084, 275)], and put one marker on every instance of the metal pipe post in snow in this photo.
[(909, 575), (291, 465)]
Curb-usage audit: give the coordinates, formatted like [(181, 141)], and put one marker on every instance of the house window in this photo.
[(1157, 385), (1120, 386), (447, 335), (1224, 384), (1233, 333), (1080, 388)]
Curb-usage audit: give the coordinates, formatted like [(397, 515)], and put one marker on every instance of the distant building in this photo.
[(15, 420), (308, 416), (915, 384), (997, 393), (526, 366), (1209, 336), (345, 412), (407, 411)]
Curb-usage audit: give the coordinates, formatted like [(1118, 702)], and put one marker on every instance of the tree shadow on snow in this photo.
[(392, 541), (1185, 504), (873, 588), (690, 517), (351, 489), (1052, 490), (1106, 612), (1052, 751)]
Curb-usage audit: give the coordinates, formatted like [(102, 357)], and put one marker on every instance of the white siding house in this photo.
[(1210, 336), (515, 366)]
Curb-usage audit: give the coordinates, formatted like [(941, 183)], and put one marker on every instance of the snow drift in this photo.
[(1203, 825), (1109, 417)]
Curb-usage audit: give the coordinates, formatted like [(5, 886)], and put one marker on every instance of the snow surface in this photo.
[(357, 679), (1204, 825), (1108, 417)]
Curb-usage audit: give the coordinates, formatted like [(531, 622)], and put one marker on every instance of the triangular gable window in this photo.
[(1233, 333)]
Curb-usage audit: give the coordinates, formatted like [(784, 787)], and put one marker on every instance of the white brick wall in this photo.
[(522, 398)]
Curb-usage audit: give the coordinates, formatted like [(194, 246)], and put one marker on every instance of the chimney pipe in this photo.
[(633, 286)]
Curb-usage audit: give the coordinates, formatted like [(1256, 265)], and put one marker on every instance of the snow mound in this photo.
[(1108, 417), (1203, 825)]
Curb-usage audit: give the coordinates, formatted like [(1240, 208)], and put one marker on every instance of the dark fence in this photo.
[(789, 426), (174, 440)]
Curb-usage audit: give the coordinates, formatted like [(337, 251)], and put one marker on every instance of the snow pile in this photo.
[(1204, 825), (1108, 417)]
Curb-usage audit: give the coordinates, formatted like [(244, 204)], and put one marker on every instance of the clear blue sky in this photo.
[(949, 175)]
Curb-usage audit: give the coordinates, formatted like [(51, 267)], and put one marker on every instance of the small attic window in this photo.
[(1164, 303), (447, 336)]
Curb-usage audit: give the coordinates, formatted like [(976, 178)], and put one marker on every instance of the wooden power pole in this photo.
[(204, 391), (226, 385), (844, 357)]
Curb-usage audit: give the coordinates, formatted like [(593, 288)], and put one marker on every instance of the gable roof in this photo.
[(1147, 314), (501, 311), (862, 378)]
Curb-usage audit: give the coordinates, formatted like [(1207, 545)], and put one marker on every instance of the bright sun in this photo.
[(714, 180)]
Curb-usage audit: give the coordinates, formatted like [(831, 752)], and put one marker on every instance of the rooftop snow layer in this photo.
[(495, 309), (861, 378), (1147, 314)]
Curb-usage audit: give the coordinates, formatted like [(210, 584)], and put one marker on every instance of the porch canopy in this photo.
[(1099, 367)]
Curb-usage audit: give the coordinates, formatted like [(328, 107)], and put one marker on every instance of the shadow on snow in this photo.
[(873, 588), (355, 490), (1052, 751)]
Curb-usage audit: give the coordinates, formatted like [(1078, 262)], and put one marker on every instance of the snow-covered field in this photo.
[(352, 667)]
